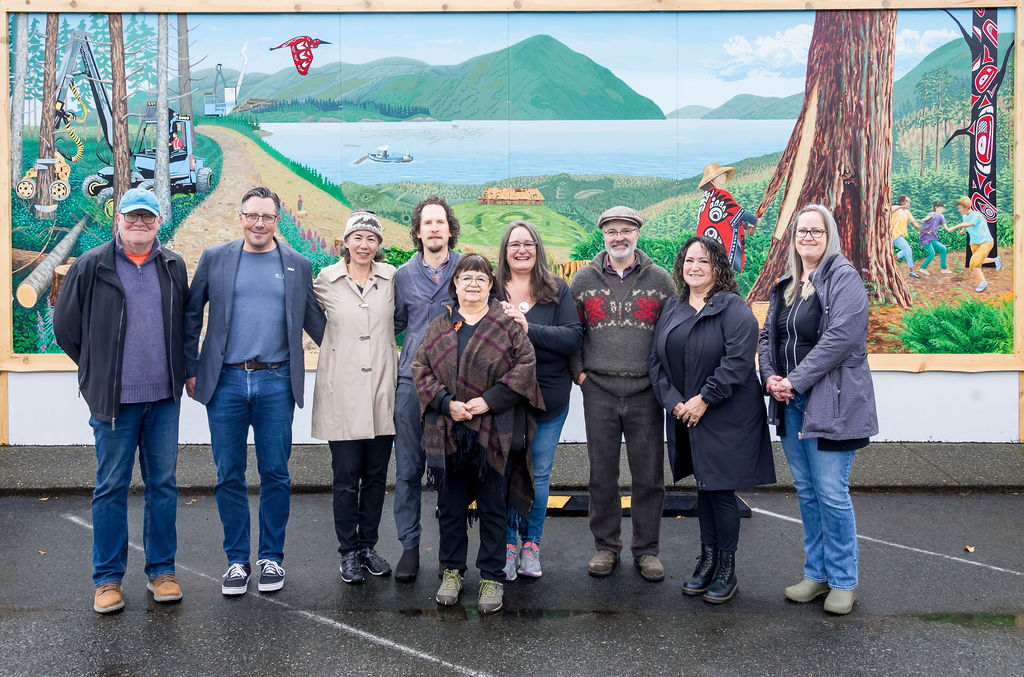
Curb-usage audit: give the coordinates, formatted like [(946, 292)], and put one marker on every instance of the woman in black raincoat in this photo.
[(702, 369)]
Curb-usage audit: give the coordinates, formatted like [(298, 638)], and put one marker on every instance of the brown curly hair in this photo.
[(417, 214), (725, 278)]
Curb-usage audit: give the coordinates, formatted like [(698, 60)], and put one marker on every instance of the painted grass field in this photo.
[(483, 226)]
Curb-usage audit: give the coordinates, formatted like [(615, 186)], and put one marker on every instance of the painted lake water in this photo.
[(478, 151)]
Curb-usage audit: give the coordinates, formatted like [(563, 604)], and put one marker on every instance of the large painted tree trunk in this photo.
[(986, 78), (18, 95), (185, 75), (840, 153), (162, 176), (46, 158), (119, 108)]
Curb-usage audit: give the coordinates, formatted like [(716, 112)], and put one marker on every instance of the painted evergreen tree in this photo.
[(840, 153)]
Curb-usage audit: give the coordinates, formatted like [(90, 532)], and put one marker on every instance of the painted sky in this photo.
[(716, 55)]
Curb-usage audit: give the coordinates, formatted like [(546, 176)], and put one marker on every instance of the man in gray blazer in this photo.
[(250, 373)]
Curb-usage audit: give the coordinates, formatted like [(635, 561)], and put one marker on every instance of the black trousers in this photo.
[(491, 515), (360, 474), (719, 515)]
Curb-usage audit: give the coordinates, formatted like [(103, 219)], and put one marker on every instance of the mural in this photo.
[(550, 118)]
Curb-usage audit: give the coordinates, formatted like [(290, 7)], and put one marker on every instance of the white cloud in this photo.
[(922, 43), (783, 54)]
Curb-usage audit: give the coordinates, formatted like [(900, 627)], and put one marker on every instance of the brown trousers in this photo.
[(641, 419)]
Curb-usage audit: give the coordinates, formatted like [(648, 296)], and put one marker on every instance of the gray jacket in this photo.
[(835, 374)]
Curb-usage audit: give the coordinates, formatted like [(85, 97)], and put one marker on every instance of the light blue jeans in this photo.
[(905, 252), (822, 480), (152, 428), (262, 400), (545, 443)]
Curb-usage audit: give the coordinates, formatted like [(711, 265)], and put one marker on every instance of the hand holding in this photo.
[(678, 410), (477, 406), (190, 387), (459, 411), (515, 314), (693, 409)]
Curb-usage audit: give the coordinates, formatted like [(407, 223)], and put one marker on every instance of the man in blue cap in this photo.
[(119, 317)]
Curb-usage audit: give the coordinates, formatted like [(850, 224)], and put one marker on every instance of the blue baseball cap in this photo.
[(139, 198)]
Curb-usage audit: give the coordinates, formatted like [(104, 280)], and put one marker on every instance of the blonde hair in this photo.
[(796, 264)]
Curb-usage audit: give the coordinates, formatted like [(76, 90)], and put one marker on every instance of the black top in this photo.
[(797, 327), (556, 333), (675, 345)]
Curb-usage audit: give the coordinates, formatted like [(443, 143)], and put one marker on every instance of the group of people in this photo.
[(973, 223), (477, 396)]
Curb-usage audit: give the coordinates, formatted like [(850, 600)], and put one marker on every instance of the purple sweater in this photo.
[(145, 376)]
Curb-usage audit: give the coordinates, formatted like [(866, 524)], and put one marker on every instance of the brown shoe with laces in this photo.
[(165, 588), (108, 598)]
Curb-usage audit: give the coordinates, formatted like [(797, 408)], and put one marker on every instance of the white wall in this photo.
[(44, 408)]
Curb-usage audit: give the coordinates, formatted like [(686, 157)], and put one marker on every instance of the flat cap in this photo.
[(620, 213)]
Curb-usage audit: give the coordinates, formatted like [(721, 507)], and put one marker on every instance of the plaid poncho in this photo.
[(498, 352)]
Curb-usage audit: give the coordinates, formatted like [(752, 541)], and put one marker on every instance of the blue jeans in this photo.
[(262, 400), (545, 443), (152, 428), (822, 480), (905, 252), (410, 462)]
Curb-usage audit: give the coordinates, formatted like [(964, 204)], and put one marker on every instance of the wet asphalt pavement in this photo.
[(926, 606)]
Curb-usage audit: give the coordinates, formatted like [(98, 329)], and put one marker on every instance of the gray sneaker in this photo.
[(511, 560), (451, 587), (491, 593), (529, 562)]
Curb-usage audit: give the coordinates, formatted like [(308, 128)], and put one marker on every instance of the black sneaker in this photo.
[(236, 579), (271, 575), (373, 562), (350, 572)]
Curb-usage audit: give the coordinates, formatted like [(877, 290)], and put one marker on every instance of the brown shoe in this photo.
[(108, 598), (164, 588), (650, 567), (603, 563)]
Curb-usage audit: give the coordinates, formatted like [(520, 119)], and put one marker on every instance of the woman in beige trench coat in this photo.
[(354, 396)]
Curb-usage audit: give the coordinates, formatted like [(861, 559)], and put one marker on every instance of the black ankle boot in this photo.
[(705, 571), (723, 585), (408, 565)]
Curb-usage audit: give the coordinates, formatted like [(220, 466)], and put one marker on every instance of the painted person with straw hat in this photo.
[(720, 215)]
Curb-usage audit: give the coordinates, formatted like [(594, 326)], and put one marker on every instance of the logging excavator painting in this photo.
[(188, 173)]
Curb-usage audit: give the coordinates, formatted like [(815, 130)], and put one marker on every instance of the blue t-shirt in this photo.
[(978, 233), (258, 328)]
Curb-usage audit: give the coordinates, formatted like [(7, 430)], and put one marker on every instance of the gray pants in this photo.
[(641, 419), (410, 463)]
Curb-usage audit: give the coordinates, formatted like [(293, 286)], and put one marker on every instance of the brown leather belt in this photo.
[(255, 365)]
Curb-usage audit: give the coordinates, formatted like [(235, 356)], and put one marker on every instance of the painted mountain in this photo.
[(536, 79)]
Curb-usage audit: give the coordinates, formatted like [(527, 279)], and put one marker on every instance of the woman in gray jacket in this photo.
[(813, 359)]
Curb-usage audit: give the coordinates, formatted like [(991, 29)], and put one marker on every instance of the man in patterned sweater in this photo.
[(619, 297)]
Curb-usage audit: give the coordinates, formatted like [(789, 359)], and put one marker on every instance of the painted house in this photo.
[(511, 196)]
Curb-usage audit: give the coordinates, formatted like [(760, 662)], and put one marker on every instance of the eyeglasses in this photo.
[(252, 218), (146, 218), (478, 280), (814, 233), (528, 246), (616, 233)]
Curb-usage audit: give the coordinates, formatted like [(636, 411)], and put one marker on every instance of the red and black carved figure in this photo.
[(302, 51), (986, 78)]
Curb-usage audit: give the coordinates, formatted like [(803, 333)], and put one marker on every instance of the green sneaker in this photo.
[(451, 587), (491, 593)]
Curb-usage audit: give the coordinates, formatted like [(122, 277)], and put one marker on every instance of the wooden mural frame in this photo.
[(11, 362)]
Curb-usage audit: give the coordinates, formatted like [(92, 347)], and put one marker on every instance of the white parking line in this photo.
[(794, 520), (322, 620)]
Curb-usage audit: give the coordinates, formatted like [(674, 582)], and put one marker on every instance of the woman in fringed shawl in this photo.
[(475, 374)]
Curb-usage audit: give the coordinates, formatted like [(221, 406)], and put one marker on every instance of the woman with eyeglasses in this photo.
[(813, 359), (476, 378), (354, 396), (540, 303)]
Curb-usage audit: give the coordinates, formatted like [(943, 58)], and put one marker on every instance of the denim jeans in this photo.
[(410, 462), (263, 400), (152, 428), (545, 443), (822, 480), (905, 252)]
